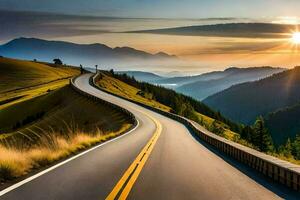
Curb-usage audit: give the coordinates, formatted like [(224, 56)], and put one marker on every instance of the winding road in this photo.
[(159, 159)]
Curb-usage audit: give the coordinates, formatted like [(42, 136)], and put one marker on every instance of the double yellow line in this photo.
[(125, 184)]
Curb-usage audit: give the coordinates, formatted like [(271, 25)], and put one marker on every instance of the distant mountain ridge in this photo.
[(181, 80), (142, 76), (75, 54), (211, 83), (276, 98), (204, 85)]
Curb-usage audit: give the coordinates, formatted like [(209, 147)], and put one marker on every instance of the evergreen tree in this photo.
[(177, 106), (261, 137), (189, 112), (246, 133), (288, 148), (296, 147)]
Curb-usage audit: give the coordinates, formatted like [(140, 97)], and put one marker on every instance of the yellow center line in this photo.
[(130, 176)]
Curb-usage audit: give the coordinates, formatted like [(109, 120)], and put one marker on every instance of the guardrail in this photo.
[(280, 171), (130, 116)]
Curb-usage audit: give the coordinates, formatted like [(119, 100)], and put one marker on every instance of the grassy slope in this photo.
[(120, 88), (23, 80), (15, 74), (49, 121), (71, 123), (63, 108)]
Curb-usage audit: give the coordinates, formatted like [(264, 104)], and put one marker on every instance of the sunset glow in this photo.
[(296, 38)]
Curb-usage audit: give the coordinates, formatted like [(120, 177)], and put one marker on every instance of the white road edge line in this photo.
[(15, 186)]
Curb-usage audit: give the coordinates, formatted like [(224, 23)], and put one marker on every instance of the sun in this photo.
[(296, 38)]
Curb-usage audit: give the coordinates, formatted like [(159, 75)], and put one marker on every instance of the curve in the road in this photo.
[(179, 167)]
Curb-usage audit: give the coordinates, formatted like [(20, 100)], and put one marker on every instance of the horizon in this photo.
[(164, 73), (115, 25)]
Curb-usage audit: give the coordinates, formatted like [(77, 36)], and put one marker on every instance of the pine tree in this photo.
[(261, 137), (246, 133), (296, 147), (288, 148)]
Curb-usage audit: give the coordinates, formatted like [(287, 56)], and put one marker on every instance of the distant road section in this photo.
[(158, 160)]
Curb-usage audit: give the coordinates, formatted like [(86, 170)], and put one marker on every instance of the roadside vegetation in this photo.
[(18, 161), (256, 136), (52, 125)]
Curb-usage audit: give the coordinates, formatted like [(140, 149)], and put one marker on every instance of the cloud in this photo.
[(243, 30), (234, 47), (52, 26), (36, 24)]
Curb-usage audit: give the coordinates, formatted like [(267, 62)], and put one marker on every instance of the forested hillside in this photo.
[(278, 94)]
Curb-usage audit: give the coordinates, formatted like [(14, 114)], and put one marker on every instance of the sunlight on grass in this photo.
[(30, 93), (15, 162), (127, 91), (17, 74)]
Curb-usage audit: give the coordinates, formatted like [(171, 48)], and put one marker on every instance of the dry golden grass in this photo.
[(127, 91), (23, 80), (30, 93), (16, 74), (64, 109), (15, 162)]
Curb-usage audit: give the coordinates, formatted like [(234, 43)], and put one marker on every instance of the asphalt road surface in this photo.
[(159, 159)]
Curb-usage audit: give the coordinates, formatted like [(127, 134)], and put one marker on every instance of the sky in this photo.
[(161, 8), (110, 22)]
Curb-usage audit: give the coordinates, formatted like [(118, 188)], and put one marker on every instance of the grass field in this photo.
[(120, 88), (10, 98), (23, 80), (16, 74)]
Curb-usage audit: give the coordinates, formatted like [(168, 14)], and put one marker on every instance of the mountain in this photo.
[(142, 76), (255, 30), (75, 54), (181, 80), (278, 95), (205, 85)]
